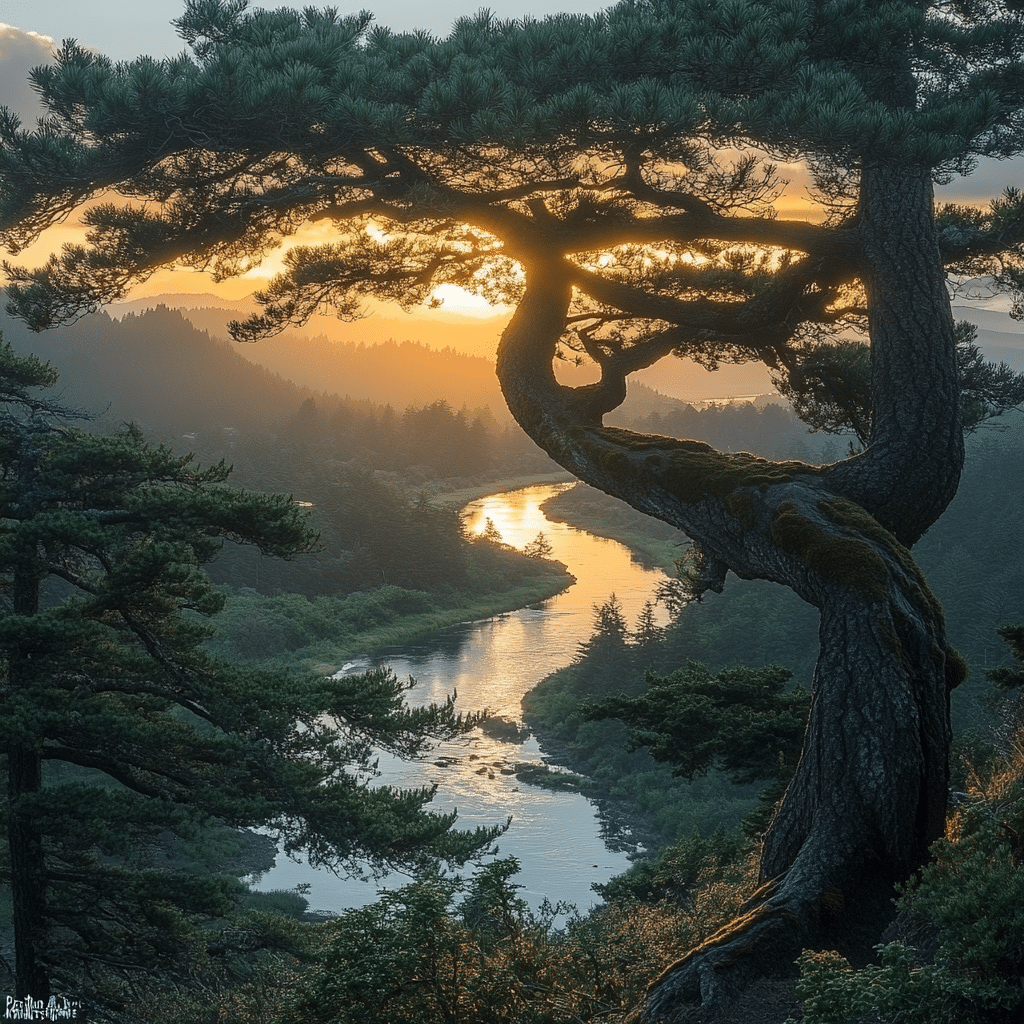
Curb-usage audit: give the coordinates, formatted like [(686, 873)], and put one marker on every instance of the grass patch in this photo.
[(326, 631)]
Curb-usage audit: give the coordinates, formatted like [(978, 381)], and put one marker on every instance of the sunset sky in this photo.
[(29, 29)]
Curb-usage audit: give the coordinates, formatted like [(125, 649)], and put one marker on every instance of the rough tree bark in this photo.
[(25, 842), (869, 794), (28, 885)]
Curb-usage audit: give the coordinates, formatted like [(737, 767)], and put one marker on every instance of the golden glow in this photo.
[(457, 300), (377, 233), (49, 242), (454, 300), (448, 303), (445, 299)]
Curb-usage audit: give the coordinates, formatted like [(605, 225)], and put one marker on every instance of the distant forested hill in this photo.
[(158, 370), (358, 360), (472, 335), (358, 465), (401, 373), (363, 360), (196, 392)]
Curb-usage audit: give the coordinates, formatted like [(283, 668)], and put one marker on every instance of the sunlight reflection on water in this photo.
[(491, 664)]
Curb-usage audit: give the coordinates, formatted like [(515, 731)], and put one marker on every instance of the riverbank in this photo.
[(462, 577), (556, 834), (463, 495), (636, 794), (641, 797), (415, 627), (322, 633), (653, 544)]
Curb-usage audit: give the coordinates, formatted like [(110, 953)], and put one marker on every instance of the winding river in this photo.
[(558, 837)]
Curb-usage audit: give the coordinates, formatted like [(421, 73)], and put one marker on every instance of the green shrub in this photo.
[(410, 959), (674, 871), (284, 902), (973, 892), (455, 951), (897, 990)]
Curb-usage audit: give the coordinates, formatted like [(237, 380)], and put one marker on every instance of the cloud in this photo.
[(21, 52), (989, 180)]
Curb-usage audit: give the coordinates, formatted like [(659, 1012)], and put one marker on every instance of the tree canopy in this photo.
[(123, 741), (614, 176)]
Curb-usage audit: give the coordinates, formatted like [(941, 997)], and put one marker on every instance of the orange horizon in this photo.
[(793, 204)]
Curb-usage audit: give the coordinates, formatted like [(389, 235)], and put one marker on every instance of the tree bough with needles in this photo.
[(123, 743)]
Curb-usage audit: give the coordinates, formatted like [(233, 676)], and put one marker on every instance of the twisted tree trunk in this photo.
[(869, 795), (911, 470)]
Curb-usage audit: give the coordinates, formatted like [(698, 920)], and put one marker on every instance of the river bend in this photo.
[(557, 836)]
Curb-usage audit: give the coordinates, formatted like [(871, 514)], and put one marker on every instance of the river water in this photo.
[(557, 836)]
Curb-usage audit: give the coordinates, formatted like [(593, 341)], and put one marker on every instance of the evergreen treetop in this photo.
[(443, 161)]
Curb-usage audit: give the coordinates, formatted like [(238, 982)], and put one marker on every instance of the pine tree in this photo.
[(1010, 678), (743, 721), (122, 739), (614, 177), (490, 534), (539, 547), (610, 631), (607, 648), (648, 634)]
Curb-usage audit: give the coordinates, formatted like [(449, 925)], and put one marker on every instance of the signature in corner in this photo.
[(55, 1008)]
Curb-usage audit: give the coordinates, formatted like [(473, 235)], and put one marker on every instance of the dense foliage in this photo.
[(452, 949), (745, 722), (455, 950), (122, 737), (622, 667)]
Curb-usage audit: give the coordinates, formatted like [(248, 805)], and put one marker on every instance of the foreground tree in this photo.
[(598, 173), (121, 739)]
